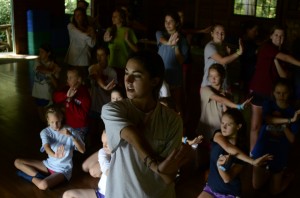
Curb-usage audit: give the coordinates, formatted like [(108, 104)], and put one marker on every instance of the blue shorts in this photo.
[(215, 194), (98, 194)]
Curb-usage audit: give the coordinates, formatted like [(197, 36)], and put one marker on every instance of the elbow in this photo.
[(82, 150), (292, 140), (226, 180)]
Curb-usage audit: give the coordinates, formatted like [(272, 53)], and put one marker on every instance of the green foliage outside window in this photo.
[(258, 8), (5, 14), (70, 6)]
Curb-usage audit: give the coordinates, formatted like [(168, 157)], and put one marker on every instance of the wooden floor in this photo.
[(19, 132)]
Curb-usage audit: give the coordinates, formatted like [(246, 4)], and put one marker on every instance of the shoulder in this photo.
[(210, 46), (217, 133), (206, 90), (118, 106), (46, 131), (158, 33), (71, 26)]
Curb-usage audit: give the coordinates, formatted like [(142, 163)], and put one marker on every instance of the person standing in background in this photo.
[(121, 42), (82, 40)]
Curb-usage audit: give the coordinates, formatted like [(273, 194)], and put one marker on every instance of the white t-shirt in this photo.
[(42, 82), (104, 161), (55, 139), (81, 44)]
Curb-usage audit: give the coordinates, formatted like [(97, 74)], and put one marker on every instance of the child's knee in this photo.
[(95, 173), (256, 186), (17, 163), (67, 194), (43, 185), (84, 167)]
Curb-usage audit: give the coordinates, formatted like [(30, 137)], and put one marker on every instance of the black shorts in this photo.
[(258, 99)]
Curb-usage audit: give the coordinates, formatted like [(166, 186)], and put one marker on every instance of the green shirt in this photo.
[(119, 49)]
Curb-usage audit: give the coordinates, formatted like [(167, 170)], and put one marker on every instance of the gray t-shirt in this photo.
[(128, 176), (211, 113), (210, 49)]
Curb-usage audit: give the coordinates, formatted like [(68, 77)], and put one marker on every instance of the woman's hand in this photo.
[(71, 92), (262, 160), (241, 48), (174, 38), (107, 37), (110, 85), (223, 159), (296, 116), (196, 140), (168, 168), (65, 131)]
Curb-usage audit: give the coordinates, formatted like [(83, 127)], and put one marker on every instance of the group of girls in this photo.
[(274, 120)]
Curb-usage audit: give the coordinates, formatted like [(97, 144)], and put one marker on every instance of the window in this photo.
[(70, 6), (257, 8)]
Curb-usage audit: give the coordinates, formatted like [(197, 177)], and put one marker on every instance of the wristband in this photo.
[(185, 140), (238, 52), (240, 107), (289, 121), (222, 168)]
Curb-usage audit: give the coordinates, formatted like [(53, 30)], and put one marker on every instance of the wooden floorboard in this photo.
[(19, 132)]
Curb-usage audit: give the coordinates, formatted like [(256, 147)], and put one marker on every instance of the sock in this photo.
[(40, 176), (24, 176)]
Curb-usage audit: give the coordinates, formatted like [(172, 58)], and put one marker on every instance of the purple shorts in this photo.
[(215, 194), (98, 194)]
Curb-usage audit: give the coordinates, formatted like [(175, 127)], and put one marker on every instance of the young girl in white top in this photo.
[(91, 164), (104, 164), (46, 74), (59, 142)]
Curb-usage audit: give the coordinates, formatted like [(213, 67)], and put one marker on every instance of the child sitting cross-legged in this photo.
[(59, 142)]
